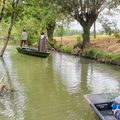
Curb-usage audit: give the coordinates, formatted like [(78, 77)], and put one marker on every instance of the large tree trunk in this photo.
[(14, 7), (2, 10), (50, 30), (86, 36), (86, 21)]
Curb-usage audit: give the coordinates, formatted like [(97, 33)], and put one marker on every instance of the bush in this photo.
[(66, 49), (116, 34), (99, 54), (79, 42), (89, 53), (96, 54), (115, 58), (79, 39), (32, 38)]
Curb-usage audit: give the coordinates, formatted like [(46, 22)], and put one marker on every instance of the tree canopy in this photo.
[(42, 15), (85, 12)]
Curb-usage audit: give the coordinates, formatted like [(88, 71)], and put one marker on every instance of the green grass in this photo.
[(66, 49), (104, 57)]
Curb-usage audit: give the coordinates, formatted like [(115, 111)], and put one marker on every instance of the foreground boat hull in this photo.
[(33, 52), (102, 104)]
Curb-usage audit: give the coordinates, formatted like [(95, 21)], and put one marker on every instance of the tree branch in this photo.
[(2, 10)]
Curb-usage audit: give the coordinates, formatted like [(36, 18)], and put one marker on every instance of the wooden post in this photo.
[(2, 85), (94, 30), (1, 79), (61, 32)]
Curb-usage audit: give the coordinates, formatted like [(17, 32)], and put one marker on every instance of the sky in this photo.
[(76, 26), (115, 17)]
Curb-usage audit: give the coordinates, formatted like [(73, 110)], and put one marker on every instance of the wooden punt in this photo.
[(101, 104), (32, 51)]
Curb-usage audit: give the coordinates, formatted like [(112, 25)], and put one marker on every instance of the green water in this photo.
[(53, 88)]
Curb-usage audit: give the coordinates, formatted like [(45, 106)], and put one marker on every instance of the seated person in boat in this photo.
[(117, 114), (116, 108), (23, 38), (42, 45)]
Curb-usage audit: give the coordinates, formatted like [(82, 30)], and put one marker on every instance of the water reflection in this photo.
[(79, 74), (12, 103), (66, 66), (102, 79), (54, 86)]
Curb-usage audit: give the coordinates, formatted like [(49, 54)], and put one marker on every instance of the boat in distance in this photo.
[(32, 51)]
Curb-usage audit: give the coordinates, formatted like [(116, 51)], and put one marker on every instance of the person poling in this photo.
[(42, 44)]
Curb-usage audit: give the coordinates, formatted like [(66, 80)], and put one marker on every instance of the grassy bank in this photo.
[(101, 56), (103, 49)]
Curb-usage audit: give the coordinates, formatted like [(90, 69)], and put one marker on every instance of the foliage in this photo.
[(85, 12), (37, 16), (65, 32), (66, 49), (32, 38), (44, 13), (8, 11), (79, 42), (101, 56), (109, 26), (79, 39), (116, 34), (89, 53)]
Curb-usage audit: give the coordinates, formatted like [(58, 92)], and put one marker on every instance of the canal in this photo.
[(53, 88)]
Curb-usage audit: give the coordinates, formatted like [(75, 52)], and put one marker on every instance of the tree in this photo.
[(2, 10), (85, 12), (50, 15), (108, 21), (14, 8), (46, 14), (109, 27)]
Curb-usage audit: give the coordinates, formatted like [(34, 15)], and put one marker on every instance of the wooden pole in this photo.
[(1, 79), (61, 32), (94, 30)]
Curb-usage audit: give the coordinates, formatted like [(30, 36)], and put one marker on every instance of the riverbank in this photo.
[(103, 49)]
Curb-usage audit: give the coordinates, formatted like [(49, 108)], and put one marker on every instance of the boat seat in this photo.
[(108, 114)]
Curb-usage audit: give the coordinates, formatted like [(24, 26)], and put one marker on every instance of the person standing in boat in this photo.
[(23, 38), (42, 45)]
